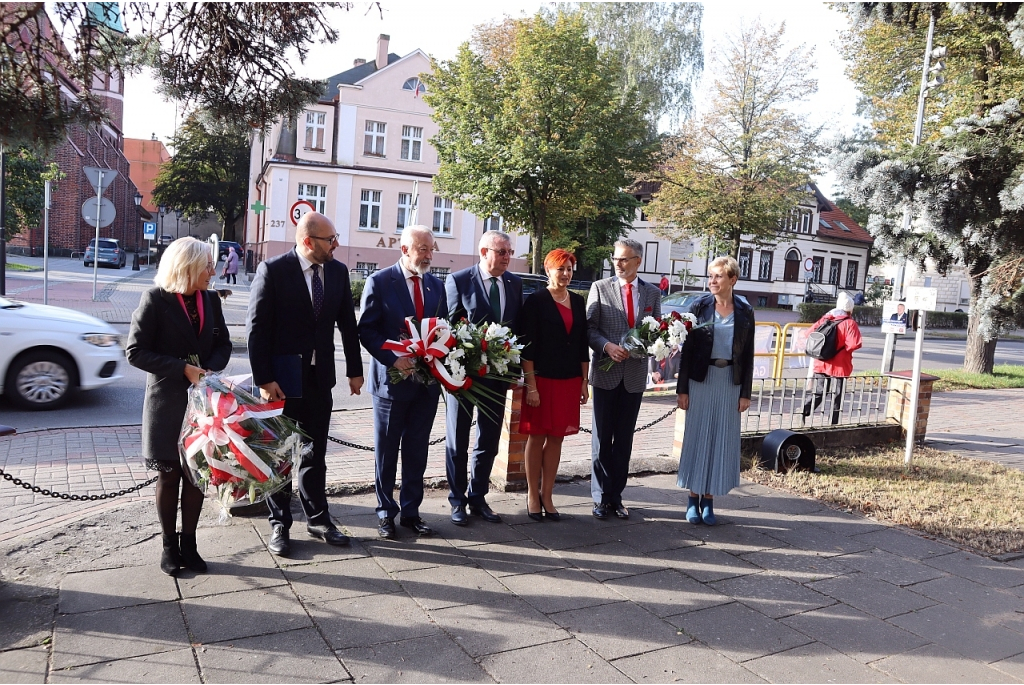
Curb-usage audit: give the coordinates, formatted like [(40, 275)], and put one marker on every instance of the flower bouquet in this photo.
[(230, 440), (453, 356), (655, 337)]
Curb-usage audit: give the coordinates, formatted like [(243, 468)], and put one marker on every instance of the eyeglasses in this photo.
[(331, 239), (623, 260), (502, 252)]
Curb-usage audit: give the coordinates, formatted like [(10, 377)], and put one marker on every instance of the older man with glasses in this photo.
[(297, 301), (483, 293), (616, 305)]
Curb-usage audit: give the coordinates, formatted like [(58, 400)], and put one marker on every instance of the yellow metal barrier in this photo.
[(793, 344), (767, 335)]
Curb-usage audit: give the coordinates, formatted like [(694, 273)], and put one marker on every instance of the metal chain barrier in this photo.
[(74, 498), (644, 427)]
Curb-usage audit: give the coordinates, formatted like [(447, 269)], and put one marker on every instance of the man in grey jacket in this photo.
[(616, 305)]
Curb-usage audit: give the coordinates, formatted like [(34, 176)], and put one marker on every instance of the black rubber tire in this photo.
[(54, 390)]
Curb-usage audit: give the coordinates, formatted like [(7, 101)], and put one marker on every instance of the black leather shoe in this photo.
[(551, 515), (600, 511), (459, 517), (190, 558), (536, 516), (170, 558), (279, 542), (621, 511), (417, 525), (386, 528), (484, 512), (329, 534)]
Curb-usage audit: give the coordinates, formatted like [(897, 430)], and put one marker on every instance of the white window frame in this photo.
[(494, 222), (748, 262), (375, 139), (316, 130), (412, 143), (762, 274), (444, 211), (369, 210), (404, 211), (368, 268), (852, 269), (314, 195)]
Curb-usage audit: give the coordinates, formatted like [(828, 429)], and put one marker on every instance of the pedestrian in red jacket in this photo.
[(830, 374)]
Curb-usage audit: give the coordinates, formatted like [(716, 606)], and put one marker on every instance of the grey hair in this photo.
[(409, 233), (634, 245), (490, 237), (184, 260)]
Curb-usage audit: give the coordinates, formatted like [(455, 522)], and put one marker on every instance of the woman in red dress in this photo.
[(556, 361)]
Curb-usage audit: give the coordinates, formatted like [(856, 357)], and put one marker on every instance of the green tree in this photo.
[(24, 193), (963, 185), (229, 58), (734, 172), (592, 240), (661, 47), (208, 173), (532, 126)]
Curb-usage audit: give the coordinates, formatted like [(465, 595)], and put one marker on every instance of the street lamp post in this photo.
[(138, 204), (177, 223)]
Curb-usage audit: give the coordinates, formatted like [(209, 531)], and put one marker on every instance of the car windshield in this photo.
[(678, 299), (104, 244)]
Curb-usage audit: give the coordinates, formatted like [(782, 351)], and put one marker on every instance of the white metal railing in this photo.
[(790, 403)]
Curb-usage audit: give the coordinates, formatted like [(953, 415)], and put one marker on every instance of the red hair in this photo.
[(558, 258)]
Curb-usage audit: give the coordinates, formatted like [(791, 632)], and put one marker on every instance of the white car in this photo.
[(47, 353)]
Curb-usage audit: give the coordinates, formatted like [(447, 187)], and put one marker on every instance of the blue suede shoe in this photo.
[(692, 512), (707, 512)]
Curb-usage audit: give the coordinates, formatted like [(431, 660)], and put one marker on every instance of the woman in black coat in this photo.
[(556, 361), (177, 332)]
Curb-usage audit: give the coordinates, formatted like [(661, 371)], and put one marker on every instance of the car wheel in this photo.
[(87, 264), (41, 380)]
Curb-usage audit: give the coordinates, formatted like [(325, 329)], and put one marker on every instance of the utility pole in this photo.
[(3, 221), (889, 351)]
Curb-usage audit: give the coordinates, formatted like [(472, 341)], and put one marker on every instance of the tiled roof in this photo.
[(355, 75), (835, 223)]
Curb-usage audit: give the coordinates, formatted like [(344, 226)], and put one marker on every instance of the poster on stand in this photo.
[(895, 318)]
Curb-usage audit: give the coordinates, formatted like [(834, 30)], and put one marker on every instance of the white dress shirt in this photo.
[(487, 288), (636, 298)]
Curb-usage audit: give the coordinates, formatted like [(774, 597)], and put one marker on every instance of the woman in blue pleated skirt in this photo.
[(716, 372)]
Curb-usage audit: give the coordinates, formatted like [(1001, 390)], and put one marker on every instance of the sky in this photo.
[(438, 28)]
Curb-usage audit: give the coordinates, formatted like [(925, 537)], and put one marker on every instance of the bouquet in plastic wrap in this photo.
[(453, 356), (656, 337), (243, 448)]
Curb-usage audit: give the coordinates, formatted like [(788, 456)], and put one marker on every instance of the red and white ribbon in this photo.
[(223, 428), (430, 343)]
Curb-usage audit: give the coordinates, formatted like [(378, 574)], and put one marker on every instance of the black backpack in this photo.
[(823, 342)]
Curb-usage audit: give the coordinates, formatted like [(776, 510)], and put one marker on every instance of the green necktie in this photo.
[(495, 299)]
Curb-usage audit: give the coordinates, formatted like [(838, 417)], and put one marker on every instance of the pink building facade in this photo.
[(362, 157)]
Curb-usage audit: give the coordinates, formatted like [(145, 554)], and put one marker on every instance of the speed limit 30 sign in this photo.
[(299, 210)]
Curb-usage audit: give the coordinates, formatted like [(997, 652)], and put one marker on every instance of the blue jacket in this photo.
[(386, 303), (696, 353)]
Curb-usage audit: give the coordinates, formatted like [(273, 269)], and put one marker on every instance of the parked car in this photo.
[(48, 353), (678, 302), (534, 282), (111, 252), (165, 239), (222, 249)]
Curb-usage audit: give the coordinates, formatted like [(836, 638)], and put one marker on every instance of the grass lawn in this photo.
[(11, 266), (1003, 376), (972, 502)]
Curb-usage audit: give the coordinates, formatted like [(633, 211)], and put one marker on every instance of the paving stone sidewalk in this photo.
[(785, 590)]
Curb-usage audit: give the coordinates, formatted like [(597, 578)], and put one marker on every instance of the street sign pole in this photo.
[(46, 243), (96, 245), (915, 388)]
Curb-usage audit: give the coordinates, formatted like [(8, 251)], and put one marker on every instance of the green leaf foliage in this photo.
[(208, 173), (23, 192), (532, 126)]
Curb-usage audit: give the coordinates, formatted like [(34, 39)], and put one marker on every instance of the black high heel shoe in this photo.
[(551, 515), (535, 516)]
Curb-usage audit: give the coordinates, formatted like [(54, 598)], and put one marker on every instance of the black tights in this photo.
[(167, 502)]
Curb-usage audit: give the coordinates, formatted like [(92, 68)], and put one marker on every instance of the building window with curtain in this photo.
[(851, 274), (492, 223), (315, 126), (412, 143), (373, 139), (404, 211), (764, 268), (369, 210), (818, 270), (443, 210), (835, 268), (746, 257), (314, 195)]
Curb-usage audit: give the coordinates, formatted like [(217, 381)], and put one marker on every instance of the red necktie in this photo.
[(417, 297), (630, 316)]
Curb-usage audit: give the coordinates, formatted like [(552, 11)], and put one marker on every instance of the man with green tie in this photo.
[(483, 293)]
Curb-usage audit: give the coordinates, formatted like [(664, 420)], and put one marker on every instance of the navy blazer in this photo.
[(386, 303), (281, 321), (469, 297)]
